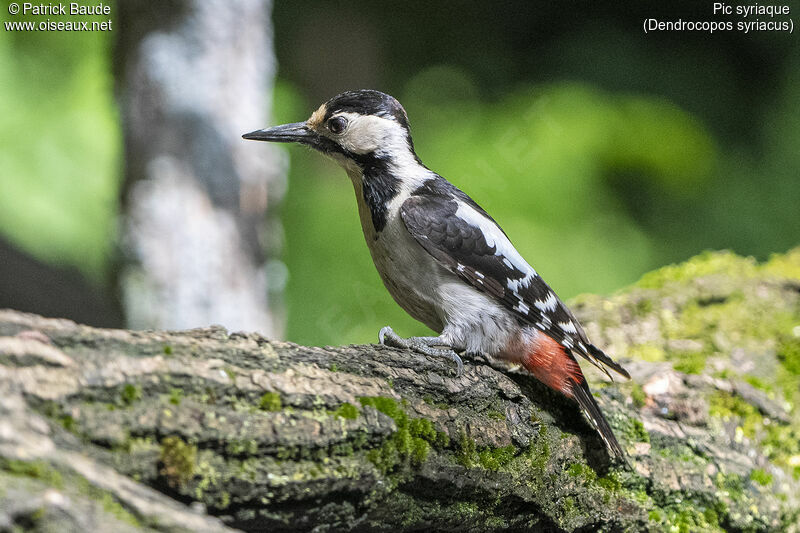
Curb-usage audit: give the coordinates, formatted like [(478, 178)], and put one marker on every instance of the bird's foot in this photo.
[(423, 345)]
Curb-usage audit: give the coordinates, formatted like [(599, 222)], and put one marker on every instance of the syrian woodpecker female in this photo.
[(443, 258)]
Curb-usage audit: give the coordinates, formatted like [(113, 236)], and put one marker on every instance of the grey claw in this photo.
[(382, 334), (388, 337), (450, 354), (423, 345), (453, 356), (460, 364)]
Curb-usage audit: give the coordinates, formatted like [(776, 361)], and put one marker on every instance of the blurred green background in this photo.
[(603, 152)]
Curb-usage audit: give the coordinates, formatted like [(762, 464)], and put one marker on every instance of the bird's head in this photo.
[(355, 127)]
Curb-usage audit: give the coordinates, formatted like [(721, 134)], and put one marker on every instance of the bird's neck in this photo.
[(383, 182)]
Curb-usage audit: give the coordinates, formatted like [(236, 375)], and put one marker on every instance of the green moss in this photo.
[(639, 433), (178, 460), (789, 355), (733, 484), (167, 349), (643, 307), (334, 367), (347, 410), (34, 469), (384, 458), (465, 510), (130, 393), (412, 441), (726, 405), (385, 405), (782, 445), (679, 452), (67, 422), (723, 374), (758, 383), (207, 476), (582, 470), (632, 429), (496, 458), (422, 428), (702, 319), (37, 515), (784, 265), (638, 395), (270, 401), (689, 362), (466, 451), (705, 264), (711, 516), (610, 482), (539, 451), (224, 500), (497, 415), (688, 520), (106, 500), (687, 515), (646, 352), (568, 508), (442, 440), (418, 451), (241, 447), (761, 477), (175, 396)]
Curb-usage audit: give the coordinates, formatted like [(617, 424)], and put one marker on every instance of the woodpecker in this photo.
[(443, 259)]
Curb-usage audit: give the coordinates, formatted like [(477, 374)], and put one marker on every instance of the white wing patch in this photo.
[(514, 284), (495, 237), (549, 304), (568, 327)]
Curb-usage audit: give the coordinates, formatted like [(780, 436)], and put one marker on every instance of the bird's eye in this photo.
[(336, 125)]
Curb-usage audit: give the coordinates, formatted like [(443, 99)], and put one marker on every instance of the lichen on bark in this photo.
[(206, 430)]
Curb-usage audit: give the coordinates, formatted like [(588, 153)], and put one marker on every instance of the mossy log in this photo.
[(202, 430)]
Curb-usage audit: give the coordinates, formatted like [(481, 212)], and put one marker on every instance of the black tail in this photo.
[(601, 360), (584, 397)]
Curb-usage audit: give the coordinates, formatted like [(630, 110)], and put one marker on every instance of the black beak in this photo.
[(288, 133)]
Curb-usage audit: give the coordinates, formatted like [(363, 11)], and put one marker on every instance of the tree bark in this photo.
[(199, 234), (202, 430)]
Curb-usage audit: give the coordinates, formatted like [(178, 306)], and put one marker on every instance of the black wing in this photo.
[(467, 241)]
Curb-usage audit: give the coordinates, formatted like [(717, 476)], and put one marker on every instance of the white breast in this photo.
[(410, 274)]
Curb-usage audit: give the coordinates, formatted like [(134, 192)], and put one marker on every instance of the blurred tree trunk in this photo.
[(199, 234)]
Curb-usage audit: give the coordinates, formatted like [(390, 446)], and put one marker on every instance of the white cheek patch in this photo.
[(370, 133)]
